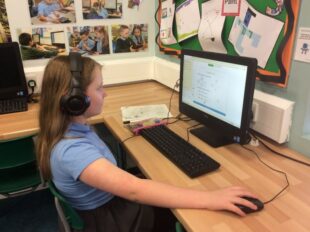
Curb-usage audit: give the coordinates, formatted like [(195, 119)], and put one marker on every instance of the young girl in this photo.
[(85, 172), (102, 41), (137, 38)]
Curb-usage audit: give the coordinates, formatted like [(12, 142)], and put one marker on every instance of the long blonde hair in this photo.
[(53, 122)]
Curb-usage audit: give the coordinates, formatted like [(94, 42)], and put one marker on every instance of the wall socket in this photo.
[(37, 77)]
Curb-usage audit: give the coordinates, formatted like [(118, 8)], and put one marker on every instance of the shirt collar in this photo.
[(78, 127)]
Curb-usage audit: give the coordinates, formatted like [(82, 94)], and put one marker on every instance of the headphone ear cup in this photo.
[(75, 103)]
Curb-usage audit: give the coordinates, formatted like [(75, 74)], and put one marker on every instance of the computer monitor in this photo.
[(217, 91), (110, 4), (36, 38), (12, 76), (58, 39)]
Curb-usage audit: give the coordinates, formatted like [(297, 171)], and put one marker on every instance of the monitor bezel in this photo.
[(15, 91), (233, 133)]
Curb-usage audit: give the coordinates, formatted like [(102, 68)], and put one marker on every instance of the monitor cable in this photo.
[(278, 153), (189, 128), (273, 169)]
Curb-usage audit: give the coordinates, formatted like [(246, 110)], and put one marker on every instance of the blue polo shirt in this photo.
[(90, 43), (45, 9), (70, 156)]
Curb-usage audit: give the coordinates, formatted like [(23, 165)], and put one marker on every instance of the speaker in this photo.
[(75, 102)]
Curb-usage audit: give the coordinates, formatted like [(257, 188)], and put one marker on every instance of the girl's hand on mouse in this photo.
[(226, 199)]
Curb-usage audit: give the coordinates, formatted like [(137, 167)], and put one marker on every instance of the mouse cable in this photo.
[(273, 169), (278, 153), (123, 141)]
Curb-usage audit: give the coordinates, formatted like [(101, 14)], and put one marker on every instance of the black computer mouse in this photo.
[(255, 201)]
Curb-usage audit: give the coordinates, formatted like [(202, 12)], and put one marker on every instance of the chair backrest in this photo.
[(19, 173), (68, 216)]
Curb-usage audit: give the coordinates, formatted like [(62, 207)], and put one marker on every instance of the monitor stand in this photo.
[(211, 136)]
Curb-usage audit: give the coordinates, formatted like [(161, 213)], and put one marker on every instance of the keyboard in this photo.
[(184, 155), (13, 105)]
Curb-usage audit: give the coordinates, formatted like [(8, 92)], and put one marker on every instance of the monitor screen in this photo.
[(12, 76), (217, 91), (36, 38), (110, 4), (58, 38)]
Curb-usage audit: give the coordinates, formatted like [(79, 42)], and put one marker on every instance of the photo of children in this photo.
[(5, 34), (101, 9), (129, 38), (41, 43), (51, 11), (89, 40)]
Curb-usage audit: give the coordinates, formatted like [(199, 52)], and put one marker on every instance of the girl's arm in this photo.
[(103, 175)]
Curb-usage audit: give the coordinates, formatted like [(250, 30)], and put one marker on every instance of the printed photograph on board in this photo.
[(89, 40), (40, 43), (102, 9), (51, 11), (129, 38), (5, 34)]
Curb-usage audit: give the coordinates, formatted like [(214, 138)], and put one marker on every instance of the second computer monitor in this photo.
[(58, 39), (217, 91), (36, 38), (110, 4)]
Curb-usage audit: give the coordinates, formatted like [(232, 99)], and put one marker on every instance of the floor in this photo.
[(34, 212)]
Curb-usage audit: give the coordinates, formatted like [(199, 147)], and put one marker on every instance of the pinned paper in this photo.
[(187, 19), (211, 26), (302, 48), (231, 7), (166, 35)]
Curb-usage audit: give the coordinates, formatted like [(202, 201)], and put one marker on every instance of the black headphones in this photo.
[(75, 102)]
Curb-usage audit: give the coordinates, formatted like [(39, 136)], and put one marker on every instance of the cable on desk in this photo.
[(188, 128), (173, 90), (280, 154), (273, 169), (123, 141), (179, 118)]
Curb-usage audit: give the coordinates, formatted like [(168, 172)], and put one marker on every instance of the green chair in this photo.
[(178, 227), (19, 173), (68, 216)]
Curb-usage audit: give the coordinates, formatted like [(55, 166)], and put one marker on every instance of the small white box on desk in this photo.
[(272, 116)]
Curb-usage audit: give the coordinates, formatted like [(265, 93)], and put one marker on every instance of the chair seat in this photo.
[(15, 180), (16, 153)]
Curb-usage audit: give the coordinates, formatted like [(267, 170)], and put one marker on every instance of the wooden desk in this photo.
[(290, 212)]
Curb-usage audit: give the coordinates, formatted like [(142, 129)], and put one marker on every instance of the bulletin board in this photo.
[(276, 68)]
